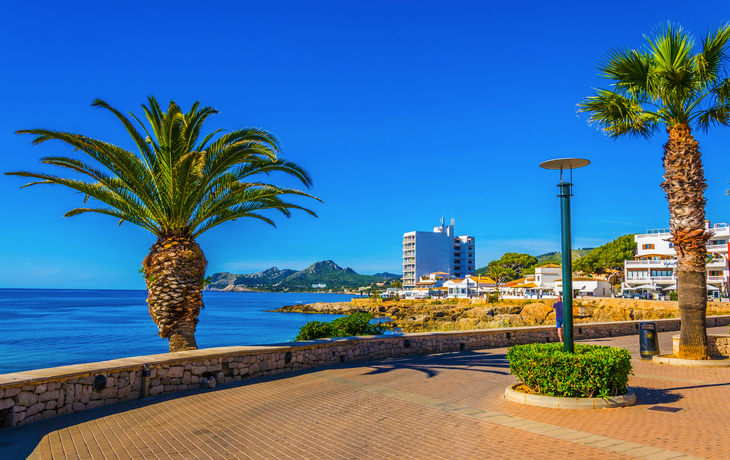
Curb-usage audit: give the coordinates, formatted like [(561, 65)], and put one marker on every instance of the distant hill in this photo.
[(386, 275), (326, 272), (556, 257), (265, 278)]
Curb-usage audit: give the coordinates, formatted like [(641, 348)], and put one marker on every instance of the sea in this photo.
[(42, 328)]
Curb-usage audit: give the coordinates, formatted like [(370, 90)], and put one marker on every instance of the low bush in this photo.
[(347, 326), (592, 371)]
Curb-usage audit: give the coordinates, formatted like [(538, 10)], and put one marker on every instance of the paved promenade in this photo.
[(445, 406)]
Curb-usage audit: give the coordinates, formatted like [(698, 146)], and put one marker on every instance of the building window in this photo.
[(715, 273), (647, 246)]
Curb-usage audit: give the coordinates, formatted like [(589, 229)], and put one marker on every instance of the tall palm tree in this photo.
[(672, 84), (177, 187)]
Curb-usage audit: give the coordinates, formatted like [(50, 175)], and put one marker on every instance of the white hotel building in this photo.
[(438, 251), (653, 267)]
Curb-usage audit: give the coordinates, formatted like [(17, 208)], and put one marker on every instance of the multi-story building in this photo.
[(438, 251), (653, 267)]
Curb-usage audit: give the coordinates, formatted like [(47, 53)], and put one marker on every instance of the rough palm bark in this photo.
[(684, 184), (174, 270)]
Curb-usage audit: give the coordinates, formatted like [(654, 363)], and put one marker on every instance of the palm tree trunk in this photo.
[(174, 270), (684, 184)]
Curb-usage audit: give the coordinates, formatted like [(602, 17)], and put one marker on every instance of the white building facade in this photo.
[(585, 286), (653, 267), (438, 251)]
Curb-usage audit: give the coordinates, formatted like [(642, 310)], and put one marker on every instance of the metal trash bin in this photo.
[(648, 340)]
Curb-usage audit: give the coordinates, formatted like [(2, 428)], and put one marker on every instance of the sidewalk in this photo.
[(445, 406)]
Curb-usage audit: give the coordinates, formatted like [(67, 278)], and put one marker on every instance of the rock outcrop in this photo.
[(465, 314)]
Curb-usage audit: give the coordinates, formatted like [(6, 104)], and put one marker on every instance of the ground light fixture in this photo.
[(565, 164)]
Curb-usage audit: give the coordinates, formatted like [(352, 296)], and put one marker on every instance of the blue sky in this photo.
[(403, 112)]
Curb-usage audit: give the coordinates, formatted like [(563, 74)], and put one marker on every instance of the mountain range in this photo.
[(326, 272)]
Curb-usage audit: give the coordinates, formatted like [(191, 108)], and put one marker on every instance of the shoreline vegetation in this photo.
[(433, 315)]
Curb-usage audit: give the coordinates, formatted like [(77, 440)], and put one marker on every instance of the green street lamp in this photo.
[(567, 261)]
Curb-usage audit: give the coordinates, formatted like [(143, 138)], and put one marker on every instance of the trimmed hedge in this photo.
[(347, 326), (592, 371)]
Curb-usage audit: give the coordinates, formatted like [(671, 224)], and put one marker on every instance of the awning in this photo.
[(646, 286), (712, 288), (671, 288)]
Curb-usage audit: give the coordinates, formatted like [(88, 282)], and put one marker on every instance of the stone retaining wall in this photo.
[(30, 396), (717, 344)]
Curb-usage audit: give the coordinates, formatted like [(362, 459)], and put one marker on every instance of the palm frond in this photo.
[(144, 149), (109, 192), (630, 69), (666, 83), (174, 186), (710, 63), (618, 115)]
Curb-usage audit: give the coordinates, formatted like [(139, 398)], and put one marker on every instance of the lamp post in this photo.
[(567, 262)]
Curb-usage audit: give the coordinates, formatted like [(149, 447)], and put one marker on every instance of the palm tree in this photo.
[(672, 84), (500, 274), (177, 187)]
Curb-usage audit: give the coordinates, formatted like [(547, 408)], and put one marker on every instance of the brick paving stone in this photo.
[(422, 407)]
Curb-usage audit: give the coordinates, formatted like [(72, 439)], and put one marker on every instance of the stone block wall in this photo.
[(36, 395)]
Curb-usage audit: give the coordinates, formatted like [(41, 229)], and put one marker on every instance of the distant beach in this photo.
[(55, 327)]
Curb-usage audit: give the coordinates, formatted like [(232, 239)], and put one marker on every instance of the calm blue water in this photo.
[(47, 327)]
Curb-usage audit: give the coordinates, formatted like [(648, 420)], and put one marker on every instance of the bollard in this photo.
[(145, 393)]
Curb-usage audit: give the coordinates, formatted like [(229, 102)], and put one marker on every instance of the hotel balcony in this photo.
[(650, 263), (655, 233), (669, 279), (718, 263)]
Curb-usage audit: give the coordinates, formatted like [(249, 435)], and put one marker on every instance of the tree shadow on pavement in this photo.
[(433, 365), (652, 396)]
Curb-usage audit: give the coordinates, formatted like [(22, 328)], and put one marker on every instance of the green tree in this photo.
[(672, 84), (513, 261), (178, 186), (607, 258)]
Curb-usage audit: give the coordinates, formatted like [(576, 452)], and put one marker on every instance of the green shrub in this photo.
[(673, 296), (314, 330), (347, 326), (592, 371)]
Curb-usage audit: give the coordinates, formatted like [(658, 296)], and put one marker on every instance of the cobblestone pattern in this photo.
[(36, 398), (716, 344)]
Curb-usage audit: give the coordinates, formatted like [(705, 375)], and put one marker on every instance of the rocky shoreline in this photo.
[(230, 288), (467, 314)]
